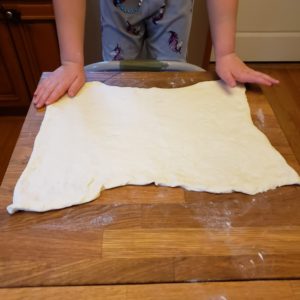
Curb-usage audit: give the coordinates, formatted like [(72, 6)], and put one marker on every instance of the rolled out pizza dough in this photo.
[(199, 137)]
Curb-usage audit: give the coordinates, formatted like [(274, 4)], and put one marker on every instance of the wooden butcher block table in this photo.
[(148, 234)]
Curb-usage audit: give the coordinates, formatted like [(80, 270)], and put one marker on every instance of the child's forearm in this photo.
[(70, 17), (222, 16)]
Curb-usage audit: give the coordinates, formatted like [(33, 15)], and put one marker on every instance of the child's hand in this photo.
[(232, 70), (68, 78)]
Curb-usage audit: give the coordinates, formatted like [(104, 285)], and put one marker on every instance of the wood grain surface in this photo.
[(151, 234), (268, 290), (288, 110), (10, 127)]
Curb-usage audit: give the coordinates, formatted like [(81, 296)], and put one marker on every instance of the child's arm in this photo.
[(69, 77), (222, 15)]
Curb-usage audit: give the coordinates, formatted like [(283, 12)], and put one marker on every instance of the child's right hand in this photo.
[(68, 78)]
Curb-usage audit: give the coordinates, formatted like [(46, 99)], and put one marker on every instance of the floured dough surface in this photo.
[(199, 137)]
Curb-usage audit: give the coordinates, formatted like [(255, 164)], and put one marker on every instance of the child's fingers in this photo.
[(39, 86), (230, 66), (60, 91), (75, 86), (65, 78), (38, 91), (63, 88), (229, 79), (57, 93), (45, 93), (263, 80), (52, 91), (267, 77), (251, 77), (260, 80), (41, 92)]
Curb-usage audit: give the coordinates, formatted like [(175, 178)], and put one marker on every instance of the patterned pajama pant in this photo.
[(159, 29)]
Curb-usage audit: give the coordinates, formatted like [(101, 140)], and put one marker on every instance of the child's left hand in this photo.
[(232, 69)]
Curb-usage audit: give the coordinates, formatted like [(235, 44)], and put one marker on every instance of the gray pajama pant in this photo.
[(159, 29)]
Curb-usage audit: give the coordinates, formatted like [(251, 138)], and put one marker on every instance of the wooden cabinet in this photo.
[(29, 47)]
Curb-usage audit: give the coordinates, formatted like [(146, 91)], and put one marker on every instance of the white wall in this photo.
[(269, 30)]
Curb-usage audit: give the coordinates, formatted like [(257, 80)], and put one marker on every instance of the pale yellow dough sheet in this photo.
[(199, 137)]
